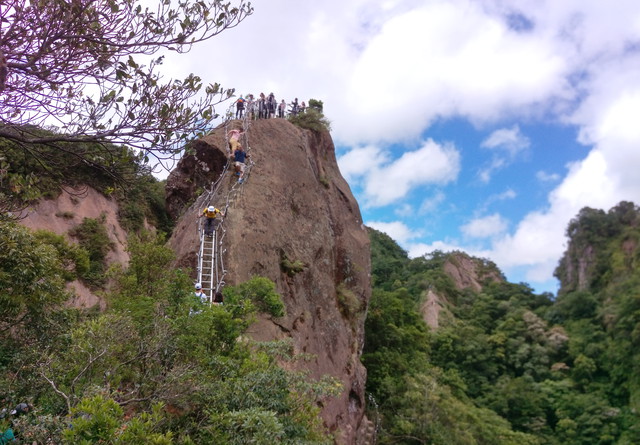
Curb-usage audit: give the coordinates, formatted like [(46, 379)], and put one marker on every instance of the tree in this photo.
[(31, 280), (76, 65)]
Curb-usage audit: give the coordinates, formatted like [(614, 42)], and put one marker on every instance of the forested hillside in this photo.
[(157, 365), (511, 366)]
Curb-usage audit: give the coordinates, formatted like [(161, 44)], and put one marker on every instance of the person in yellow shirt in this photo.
[(214, 216)]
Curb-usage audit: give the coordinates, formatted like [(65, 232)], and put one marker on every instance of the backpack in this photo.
[(7, 437)]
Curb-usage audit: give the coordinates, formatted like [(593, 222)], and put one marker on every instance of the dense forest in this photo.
[(507, 365)]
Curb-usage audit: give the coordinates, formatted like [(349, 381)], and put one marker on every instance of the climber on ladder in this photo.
[(214, 216), (239, 156), (234, 139)]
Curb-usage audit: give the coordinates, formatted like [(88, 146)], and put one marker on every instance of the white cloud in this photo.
[(360, 161), (386, 183), (404, 210), (506, 144), (507, 194), (397, 230), (419, 249), (450, 58), (430, 204), (509, 140), (485, 227), (543, 176)]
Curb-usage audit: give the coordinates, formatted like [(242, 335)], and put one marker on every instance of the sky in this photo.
[(474, 125)]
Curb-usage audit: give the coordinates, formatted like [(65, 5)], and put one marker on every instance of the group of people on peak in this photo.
[(266, 107)]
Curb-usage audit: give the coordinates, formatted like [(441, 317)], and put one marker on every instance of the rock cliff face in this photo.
[(471, 273), (466, 273), (65, 212), (294, 205)]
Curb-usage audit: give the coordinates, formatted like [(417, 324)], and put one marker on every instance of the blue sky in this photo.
[(478, 125)]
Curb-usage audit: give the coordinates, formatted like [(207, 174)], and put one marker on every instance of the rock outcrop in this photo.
[(65, 212), (466, 272), (294, 207), (471, 273)]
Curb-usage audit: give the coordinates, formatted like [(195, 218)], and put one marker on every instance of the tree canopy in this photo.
[(88, 70), (506, 365)]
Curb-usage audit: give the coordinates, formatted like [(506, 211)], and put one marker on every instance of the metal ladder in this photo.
[(210, 262)]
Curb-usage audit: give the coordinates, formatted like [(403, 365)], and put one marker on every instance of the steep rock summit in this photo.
[(293, 208), (465, 272)]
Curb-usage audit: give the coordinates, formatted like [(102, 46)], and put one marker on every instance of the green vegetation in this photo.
[(103, 85), (348, 302), (510, 366), (92, 236), (290, 267), (313, 118), (157, 366), (26, 178)]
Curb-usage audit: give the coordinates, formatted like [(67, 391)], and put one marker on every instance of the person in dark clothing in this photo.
[(271, 106), (239, 108), (239, 157)]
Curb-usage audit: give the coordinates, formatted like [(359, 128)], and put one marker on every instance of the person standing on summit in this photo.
[(239, 107), (271, 106)]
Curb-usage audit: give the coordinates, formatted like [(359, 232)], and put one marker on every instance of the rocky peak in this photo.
[(294, 205), (471, 273), (466, 272)]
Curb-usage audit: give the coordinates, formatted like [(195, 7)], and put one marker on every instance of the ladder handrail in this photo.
[(216, 257)]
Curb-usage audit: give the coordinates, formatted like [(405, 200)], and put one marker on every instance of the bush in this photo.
[(92, 236), (261, 292), (312, 119)]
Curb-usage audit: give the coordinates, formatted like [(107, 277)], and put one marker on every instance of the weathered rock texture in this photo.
[(63, 213), (466, 273), (471, 273), (294, 204)]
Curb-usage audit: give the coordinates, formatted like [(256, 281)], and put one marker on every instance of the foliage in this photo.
[(291, 267), (259, 291), (102, 420), (316, 104), (78, 64), (74, 258), (348, 302), (32, 277), (151, 369), (511, 366), (24, 179), (313, 118), (92, 236)]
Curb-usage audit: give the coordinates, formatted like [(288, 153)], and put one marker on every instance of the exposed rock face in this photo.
[(466, 273), (67, 211), (577, 265), (472, 273), (294, 204)]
